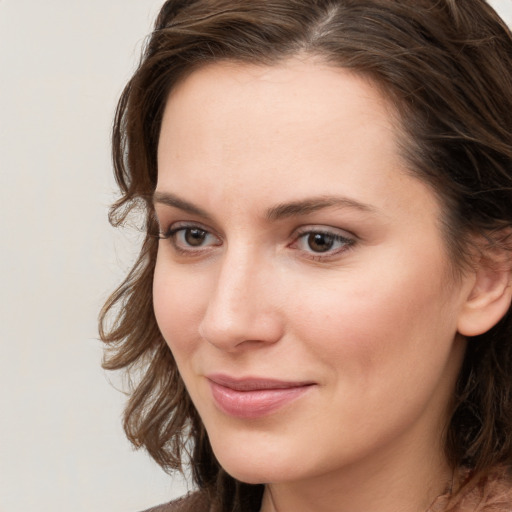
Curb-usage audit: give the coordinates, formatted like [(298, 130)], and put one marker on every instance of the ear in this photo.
[(490, 295)]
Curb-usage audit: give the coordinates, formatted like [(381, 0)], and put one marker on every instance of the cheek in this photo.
[(377, 323), (178, 302)]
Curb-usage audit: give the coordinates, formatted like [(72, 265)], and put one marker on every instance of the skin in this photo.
[(372, 322)]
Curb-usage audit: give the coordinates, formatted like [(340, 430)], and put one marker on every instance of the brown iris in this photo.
[(194, 236), (320, 242)]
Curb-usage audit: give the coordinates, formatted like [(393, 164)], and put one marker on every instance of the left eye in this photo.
[(190, 237), (194, 237), (322, 242)]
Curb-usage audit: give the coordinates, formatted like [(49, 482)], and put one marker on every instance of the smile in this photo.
[(253, 397)]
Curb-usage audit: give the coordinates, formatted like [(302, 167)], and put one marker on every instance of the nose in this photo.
[(243, 307)]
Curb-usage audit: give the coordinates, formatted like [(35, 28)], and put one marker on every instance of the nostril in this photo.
[(240, 328), (240, 310)]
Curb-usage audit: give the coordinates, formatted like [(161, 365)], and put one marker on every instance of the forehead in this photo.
[(256, 110), (280, 133), (305, 89)]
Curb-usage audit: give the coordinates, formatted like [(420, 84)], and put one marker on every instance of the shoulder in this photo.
[(193, 502), (497, 494), (491, 493)]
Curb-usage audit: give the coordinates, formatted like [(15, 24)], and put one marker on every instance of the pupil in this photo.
[(195, 237), (320, 242)]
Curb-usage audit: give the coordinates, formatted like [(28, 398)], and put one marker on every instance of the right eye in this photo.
[(187, 238)]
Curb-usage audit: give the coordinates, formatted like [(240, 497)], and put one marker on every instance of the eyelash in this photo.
[(172, 233), (332, 236)]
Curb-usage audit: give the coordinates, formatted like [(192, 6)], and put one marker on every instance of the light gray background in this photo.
[(63, 64)]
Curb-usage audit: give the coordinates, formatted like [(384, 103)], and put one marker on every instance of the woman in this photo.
[(320, 314)]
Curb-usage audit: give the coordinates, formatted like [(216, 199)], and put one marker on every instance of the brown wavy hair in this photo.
[(446, 66)]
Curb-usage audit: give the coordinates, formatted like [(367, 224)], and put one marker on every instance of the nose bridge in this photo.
[(240, 307), (237, 276)]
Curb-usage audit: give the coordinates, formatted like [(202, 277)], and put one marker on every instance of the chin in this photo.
[(249, 477), (245, 467), (251, 473), (256, 464)]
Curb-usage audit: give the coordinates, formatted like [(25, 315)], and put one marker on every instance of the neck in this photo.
[(409, 482)]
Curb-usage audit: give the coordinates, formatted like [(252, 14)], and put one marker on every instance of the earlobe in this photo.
[(489, 298)]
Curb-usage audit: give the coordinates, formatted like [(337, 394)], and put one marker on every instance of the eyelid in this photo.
[(321, 228), (347, 239), (179, 225), (176, 231)]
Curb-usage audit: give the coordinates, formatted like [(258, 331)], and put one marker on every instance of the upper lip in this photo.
[(254, 383)]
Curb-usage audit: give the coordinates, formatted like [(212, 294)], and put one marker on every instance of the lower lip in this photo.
[(254, 403)]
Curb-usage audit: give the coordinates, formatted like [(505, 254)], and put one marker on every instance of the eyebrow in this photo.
[(277, 212), (176, 202), (311, 205)]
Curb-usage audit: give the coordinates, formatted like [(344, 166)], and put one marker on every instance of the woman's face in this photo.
[(303, 284)]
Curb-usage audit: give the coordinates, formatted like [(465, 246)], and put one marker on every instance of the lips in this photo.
[(254, 397)]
